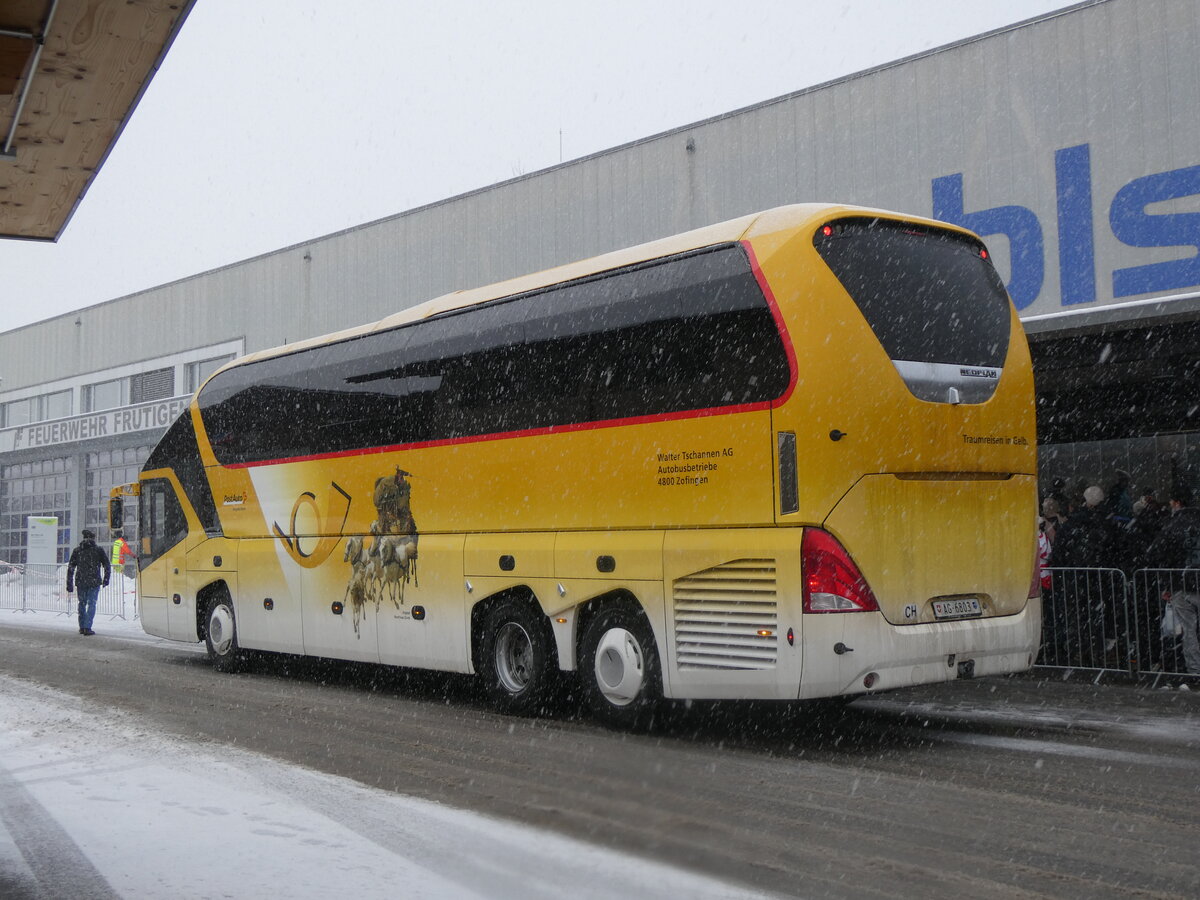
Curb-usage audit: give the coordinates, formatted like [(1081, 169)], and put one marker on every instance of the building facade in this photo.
[(1071, 142), (65, 443)]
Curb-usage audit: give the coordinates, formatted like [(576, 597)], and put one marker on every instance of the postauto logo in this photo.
[(1128, 218)]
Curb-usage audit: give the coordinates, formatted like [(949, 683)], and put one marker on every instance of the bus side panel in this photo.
[(305, 512), (169, 529), (592, 565), (423, 620), (152, 598), (731, 597), (630, 556), (340, 622), (511, 555), (209, 562), (180, 602), (261, 583), (700, 471)]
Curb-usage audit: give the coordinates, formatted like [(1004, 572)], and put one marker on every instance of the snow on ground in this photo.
[(96, 803), (126, 627)]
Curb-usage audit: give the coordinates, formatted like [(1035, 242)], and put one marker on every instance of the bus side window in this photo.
[(163, 523)]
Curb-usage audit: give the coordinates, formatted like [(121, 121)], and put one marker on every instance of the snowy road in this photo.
[(95, 804), (128, 768)]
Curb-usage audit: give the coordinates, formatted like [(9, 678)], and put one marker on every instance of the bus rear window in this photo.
[(932, 298)]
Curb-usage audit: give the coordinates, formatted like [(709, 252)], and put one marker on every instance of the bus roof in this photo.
[(763, 222)]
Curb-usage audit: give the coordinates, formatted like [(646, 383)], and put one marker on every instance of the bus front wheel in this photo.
[(220, 635), (517, 663), (619, 667)]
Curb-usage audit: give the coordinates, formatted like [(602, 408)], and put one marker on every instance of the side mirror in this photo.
[(116, 513)]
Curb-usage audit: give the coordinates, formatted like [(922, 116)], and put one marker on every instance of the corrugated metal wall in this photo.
[(1120, 76)]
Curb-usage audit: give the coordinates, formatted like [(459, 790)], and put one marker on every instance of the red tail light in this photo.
[(832, 582)]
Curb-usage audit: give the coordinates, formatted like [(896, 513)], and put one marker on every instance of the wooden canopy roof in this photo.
[(71, 73)]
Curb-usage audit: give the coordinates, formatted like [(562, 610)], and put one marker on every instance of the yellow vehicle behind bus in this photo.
[(786, 456)]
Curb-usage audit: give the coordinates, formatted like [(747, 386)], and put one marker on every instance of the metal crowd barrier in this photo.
[(28, 589), (1103, 620)]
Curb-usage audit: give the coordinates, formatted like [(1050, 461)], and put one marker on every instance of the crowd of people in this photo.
[(1091, 619)]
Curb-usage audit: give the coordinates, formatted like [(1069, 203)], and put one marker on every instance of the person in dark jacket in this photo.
[(1086, 539), (1085, 544), (88, 570), (1178, 547)]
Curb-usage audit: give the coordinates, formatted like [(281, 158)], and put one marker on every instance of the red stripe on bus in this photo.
[(508, 435)]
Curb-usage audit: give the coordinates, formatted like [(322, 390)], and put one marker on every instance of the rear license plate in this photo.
[(957, 609)]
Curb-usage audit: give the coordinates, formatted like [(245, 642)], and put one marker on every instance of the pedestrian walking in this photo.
[(88, 570)]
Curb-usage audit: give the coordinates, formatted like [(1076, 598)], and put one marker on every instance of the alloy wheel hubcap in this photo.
[(514, 658), (620, 667), (220, 629)]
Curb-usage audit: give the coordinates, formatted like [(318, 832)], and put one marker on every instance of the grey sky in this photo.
[(278, 121)]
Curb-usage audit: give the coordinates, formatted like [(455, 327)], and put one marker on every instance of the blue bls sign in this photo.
[(1128, 218)]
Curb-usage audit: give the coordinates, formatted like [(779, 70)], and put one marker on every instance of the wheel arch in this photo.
[(628, 689), (616, 597), (204, 597), (521, 594)]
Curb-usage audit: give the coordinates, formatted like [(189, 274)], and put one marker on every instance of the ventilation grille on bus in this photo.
[(726, 618)]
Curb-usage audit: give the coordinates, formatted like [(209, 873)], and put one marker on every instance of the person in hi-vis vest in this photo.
[(123, 555)]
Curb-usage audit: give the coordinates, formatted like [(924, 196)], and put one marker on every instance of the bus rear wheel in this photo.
[(517, 664), (619, 667), (220, 635)]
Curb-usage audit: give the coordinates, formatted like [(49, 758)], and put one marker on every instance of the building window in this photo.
[(143, 387), (197, 372), (56, 405), (41, 488), (105, 395), (16, 412), (105, 470)]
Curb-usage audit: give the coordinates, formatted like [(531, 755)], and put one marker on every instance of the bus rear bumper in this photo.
[(855, 653)]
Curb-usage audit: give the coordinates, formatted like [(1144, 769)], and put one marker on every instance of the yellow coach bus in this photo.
[(786, 456)]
